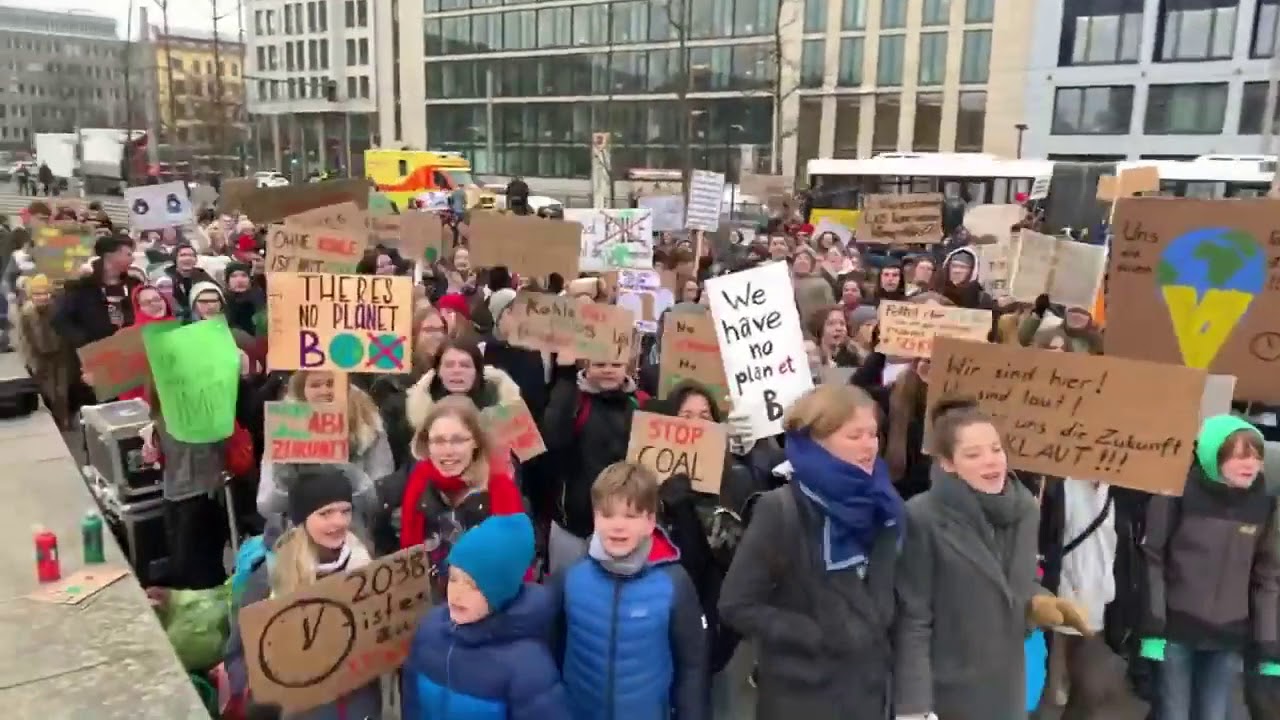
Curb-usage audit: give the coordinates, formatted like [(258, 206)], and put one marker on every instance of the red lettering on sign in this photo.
[(341, 246), (326, 423), (674, 431)]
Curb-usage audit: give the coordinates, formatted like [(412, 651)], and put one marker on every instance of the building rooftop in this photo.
[(76, 22), (190, 35)]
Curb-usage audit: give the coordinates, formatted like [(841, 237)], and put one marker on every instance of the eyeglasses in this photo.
[(455, 441)]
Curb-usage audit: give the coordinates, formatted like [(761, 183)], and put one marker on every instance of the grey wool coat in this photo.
[(961, 610)]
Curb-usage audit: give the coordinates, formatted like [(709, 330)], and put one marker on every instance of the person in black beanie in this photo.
[(244, 299)]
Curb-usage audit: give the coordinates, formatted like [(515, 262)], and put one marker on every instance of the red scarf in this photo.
[(504, 498)]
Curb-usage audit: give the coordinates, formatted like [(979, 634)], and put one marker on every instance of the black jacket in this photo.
[(182, 287), (242, 306), (81, 315)]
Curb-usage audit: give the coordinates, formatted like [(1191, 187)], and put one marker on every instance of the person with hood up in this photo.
[(889, 283), (186, 275), (458, 369), (957, 280), (44, 351), (319, 544), (149, 306), (526, 368), (456, 312), (244, 300), (483, 655), (1213, 573)]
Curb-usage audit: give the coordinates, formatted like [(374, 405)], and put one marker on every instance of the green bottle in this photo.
[(91, 535)]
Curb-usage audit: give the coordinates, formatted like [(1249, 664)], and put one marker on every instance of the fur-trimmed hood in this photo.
[(499, 389)]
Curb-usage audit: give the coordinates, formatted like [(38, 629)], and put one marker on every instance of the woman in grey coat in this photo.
[(812, 580), (967, 592)]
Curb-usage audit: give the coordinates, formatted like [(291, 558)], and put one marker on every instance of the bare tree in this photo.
[(783, 84)]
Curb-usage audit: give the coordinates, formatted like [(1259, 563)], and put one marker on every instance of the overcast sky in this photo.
[(194, 14)]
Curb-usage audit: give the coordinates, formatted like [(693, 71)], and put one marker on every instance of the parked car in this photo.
[(270, 179)]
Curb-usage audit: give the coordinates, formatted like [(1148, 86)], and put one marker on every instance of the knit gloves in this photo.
[(1050, 611)]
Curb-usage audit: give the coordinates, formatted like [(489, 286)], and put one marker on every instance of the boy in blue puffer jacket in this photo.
[(483, 655)]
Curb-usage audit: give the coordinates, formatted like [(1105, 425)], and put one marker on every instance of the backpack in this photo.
[(583, 413), (252, 553)]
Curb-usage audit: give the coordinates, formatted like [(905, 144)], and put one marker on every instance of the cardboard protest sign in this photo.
[(118, 363), (60, 251), (1078, 415), (299, 432), (642, 292), (346, 217), (613, 239), (909, 218), (1078, 269), (1195, 282), (337, 634), (772, 189), (761, 343), (671, 445), (1134, 181), (525, 244), (691, 351), (995, 264), (294, 248), (196, 370), (421, 238), (989, 224), (272, 205), (234, 191), (667, 211), (156, 207), (1032, 266), (350, 323), (564, 325), (908, 329), (512, 426)]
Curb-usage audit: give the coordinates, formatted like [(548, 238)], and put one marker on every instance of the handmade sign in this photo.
[(1197, 282), (671, 445), (299, 432), (995, 264), (827, 225), (1032, 272), (642, 292), (908, 329), (234, 191), (295, 248), (691, 351), (1069, 272), (1078, 415), (273, 205), (909, 218), (156, 207), (613, 239), (346, 217), (772, 189), (1133, 181), (990, 224), (352, 323), (118, 363), (512, 426), (706, 196), (586, 331), (337, 634), (196, 371), (667, 211), (60, 251), (761, 343), (525, 244), (421, 237)]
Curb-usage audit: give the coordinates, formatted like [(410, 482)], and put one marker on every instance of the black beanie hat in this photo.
[(235, 267), (314, 488)]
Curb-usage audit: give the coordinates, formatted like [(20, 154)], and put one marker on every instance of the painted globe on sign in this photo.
[(387, 359), (1213, 258)]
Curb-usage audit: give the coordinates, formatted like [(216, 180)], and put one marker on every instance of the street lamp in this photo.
[(1021, 128)]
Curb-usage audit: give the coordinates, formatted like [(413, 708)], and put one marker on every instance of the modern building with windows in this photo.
[(519, 87), (1163, 79)]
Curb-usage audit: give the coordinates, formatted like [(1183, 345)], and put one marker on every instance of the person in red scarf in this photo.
[(149, 306)]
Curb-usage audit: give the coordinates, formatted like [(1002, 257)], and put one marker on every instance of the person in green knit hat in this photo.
[(1213, 574)]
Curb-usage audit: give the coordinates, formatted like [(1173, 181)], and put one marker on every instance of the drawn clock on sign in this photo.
[(1266, 346), (289, 651)]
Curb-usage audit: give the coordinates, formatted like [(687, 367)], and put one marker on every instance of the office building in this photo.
[(200, 96), (1174, 79), (312, 82), (59, 71)]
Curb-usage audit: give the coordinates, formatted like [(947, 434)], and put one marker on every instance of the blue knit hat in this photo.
[(496, 554)]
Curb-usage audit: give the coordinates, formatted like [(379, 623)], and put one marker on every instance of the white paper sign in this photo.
[(614, 239), (1040, 188), (761, 343), (636, 288), (706, 195), (827, 225), (156, 207), (667, 211)]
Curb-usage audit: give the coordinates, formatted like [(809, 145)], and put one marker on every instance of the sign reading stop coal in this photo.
[(677, 446)]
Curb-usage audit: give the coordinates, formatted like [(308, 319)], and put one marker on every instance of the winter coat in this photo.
[(823, 638), (81, 316), (189, 469), (499, 668), (389, 392), (46, 355), (526, 369), (182, 287), (633, 647), (498, 389)]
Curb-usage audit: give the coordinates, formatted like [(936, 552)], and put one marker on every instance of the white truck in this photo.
[(101, 164)]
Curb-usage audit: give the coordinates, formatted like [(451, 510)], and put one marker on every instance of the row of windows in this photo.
[(741, 67), (198, 88), (59, 47), (197, 67), (970, 124), (1110, 31), (975, 60), (63, 91), (893, 13), (357, 51), (355, 14), (1192, 109), (310, 88)]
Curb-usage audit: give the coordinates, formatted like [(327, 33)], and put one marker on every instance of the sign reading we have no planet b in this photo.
[(350, 323), (1077, 415)]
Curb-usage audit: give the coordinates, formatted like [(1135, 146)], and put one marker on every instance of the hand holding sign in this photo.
[(196, 370)]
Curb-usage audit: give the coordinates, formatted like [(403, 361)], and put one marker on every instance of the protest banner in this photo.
[(1197, 282), (196, 371), (691, 351), (642, 292), (667, 211), (772, 189), (294, 248), (299, 432), (234, 191), (384, 230), (1032, 271), (671, 445), (336, 635), (273, 205), (118, 363), (156, 207), (421, 237), (585, 331), (1078, 415), (60, 251), (346, 217), (512, 426), (1078, 269), (761, 343), (525, 244), (995, 265), (1134, 181), (990, 224), (1069, 272), (908, 329), (613, 239), (706, 197), (908, 218), (350, 323)]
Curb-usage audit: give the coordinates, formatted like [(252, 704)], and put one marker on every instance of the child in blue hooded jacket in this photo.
[(483, 656)]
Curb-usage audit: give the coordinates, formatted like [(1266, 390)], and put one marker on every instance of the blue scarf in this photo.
[(856, 505)]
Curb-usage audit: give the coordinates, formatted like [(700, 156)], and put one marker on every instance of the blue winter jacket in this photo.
[(497, 669), (634, 647)]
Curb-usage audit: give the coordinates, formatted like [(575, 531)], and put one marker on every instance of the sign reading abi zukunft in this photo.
[(350, 323), (299, 432)]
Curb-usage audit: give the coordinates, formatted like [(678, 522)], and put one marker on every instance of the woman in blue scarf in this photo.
[(813, 579)]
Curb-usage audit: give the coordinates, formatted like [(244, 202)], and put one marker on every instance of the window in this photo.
[(928, 126), (979, 11), (808, 134), (933, 58), (520, 30), (364, 86), (1253, 106), (754, 17), (288, 21), (889, 64), (349, 12), (975, 61), (815, 15), (812, 63), (257, 23), (854, 15), (849, 73), (884, 133), (1191, 31), (937, 12), (364, 51), (288, 57), (351, 52), (362, 15), (322, 10), (1197, 109), (893, 13), (630, 22), (1098, 32), (1101, 110), (590, 25), (324, 55), (971, 121), (848, 123), (1264, 28), (313, 54), (311, 17), (262, 58), (351, 87)]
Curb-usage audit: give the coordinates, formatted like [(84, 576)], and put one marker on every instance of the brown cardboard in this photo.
[(344, 217), (1134, 181), (118, 363), (992, 224), (299, 432), (671, 445), (525, 244), (272, 205), (691, 351), (422, 237), (512, 426), (569, 327), (908, 329), (301, 248), (78, 586), (907, 218), (369, 317)]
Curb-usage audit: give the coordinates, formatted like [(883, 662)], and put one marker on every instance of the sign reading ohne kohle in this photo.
[(706, 195)]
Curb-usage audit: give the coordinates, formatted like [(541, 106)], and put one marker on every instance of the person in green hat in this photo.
[(1213, 574)]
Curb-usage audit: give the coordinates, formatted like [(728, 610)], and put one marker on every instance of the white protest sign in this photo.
[(706, 195), (614, 239), (642, 292), (761, 343), (1040, 188), (156, 207), (667, 211)]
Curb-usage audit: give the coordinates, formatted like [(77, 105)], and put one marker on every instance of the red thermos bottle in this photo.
[(47, 567)]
